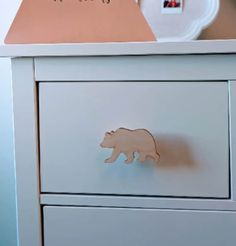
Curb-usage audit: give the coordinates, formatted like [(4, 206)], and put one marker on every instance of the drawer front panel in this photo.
[(189, 120), (74, 226)]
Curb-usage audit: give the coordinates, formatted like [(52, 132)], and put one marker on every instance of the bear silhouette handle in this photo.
[(128, 142)]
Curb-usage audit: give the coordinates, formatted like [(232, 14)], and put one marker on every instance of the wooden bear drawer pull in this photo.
[(128, 142)]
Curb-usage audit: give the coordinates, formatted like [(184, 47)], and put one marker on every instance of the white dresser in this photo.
[(66, 97)]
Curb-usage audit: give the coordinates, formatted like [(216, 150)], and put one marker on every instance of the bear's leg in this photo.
[(130, 157), (142, 157), (114, 156), (155, 156)]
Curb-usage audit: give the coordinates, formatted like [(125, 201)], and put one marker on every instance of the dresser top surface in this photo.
[(111, 49)]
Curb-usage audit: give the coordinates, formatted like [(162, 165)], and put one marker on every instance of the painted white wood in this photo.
[(189, 120), (232, 101), (205, 118), (124, 227), (26, 153), (104, 49), (163, 68), (137, 202)]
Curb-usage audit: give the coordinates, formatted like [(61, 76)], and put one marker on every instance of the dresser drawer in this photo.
[(74, 226), (189, 121)]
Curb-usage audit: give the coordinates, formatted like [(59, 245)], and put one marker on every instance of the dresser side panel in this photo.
[(232, 114), (26, 152)]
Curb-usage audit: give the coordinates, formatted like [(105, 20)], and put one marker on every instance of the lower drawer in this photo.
[(73, 226)]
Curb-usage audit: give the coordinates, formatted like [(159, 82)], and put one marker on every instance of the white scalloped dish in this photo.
[(195, 16)]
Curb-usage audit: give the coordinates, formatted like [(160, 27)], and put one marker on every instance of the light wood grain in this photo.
[(129, 142)]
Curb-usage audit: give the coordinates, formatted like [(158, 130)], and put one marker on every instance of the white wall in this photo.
[(7, 180)]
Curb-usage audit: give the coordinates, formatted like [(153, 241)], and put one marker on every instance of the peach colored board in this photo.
[(73, 21), (130, 141)]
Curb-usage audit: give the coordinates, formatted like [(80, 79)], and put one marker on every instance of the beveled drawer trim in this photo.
[(137, 202)]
